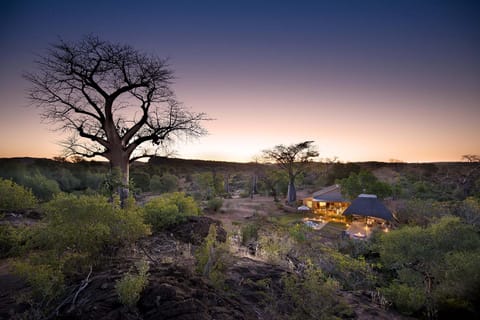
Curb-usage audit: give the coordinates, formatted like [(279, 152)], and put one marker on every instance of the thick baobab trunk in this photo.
[(292, 192)]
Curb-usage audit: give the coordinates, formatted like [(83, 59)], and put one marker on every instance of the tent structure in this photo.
[(369, 206)]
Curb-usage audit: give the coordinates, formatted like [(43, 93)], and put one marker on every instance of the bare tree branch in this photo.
[(92, 88)]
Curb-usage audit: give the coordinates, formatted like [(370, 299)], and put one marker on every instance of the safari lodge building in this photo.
[(328, 203)]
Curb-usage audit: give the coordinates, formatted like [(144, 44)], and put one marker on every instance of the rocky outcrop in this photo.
[(195, 229)]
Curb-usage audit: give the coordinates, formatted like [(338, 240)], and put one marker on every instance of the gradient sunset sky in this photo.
[(366, 80)]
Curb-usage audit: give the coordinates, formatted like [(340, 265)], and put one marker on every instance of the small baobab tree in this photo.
[(116, 101), (294, 160)]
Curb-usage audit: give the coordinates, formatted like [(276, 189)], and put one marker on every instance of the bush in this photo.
[(249, 233), (166, 183), (88, 225), (43, 187), (214, 204), (46, 281), (353, 274), (275, 245), (77, 232), (10, 240), (170, 209), (406, 299), (130, 286), (298, 232), (313, 296), (213, 258), (15, 197)]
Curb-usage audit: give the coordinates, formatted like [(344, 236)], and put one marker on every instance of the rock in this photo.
[(195, 229)]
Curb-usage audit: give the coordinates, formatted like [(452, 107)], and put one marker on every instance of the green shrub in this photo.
[(406, 299), (15, 197), (313, 296), (10, 240), (352, 273), (42, 187), (46, 281), (130, 286), (213, 258), (77, 232), (166, 183), (249, 233), (170, 209), (88, 225), (275, 245), (298, 232), (214, 204)]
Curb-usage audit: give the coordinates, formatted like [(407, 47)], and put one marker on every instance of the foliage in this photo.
[(293, 160), (46, 280), (469, 211), (439, 260), (213, 258), (341, 171), (42, 187), (11, 239), (275, 244), (130, 286), (352, 273), (215, 204), (298, 231), (15, 197), (313, 296), (249, 232), (207, 185), (88, 225), (273, 181), (170, 209), (165, 183), (420, 212), (407, 299), (78, 231), (141, 179), (364, 182)]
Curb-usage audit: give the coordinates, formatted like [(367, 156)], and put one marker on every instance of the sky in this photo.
[(366, 80)]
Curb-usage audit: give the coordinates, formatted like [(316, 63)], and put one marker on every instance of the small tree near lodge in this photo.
[(116, 101), (293, 160)]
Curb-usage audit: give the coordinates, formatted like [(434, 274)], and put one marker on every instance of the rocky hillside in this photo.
[(252, 288)]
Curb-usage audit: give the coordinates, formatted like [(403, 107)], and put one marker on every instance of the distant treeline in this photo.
[(207, 179)]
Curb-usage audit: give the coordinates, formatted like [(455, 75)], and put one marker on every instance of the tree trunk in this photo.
[(292, 193), (254, 184)]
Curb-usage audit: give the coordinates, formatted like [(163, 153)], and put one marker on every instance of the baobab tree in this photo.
[(115, 101), (294, 160)]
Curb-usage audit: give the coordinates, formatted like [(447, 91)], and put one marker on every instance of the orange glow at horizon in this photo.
[(356, 128)]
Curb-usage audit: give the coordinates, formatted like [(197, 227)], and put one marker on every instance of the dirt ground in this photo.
[(242, 209)]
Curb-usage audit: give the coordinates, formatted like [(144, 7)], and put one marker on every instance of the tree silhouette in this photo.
[(115, 101), (293, 159)]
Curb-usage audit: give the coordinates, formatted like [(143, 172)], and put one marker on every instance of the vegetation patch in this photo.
[(170, 209)]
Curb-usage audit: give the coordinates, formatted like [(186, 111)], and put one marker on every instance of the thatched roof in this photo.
[(329, 194), (368, 205)]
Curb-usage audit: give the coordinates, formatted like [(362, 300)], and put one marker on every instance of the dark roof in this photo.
[(329, 194), (368, 205)]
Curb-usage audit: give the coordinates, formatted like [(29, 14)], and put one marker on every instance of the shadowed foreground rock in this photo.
[(172, 293)]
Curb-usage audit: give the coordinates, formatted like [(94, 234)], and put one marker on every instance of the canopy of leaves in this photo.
[(364, 182), (15, 197), (440, 263)]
